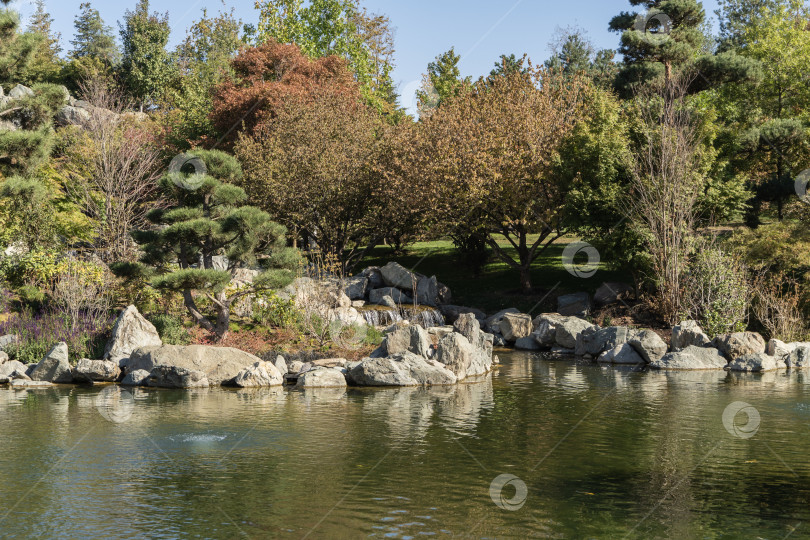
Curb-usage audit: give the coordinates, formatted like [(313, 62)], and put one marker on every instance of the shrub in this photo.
[(271, 310), (716, 291), (777, 306), (37, 333), (170, 329)]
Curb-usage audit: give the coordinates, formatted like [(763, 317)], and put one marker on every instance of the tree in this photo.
[(204, 59), (441, 82), (769, 119), (573, 53), (206, 217), (113, 167), (145, 64), (507, 64), (669, 38), (265, 77), (311, 166), (45, 65), (17, 49), (667, 181), (341, 28), (93, 38), (489, 153)]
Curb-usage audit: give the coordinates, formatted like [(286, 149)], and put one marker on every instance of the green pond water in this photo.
[(592, 452)]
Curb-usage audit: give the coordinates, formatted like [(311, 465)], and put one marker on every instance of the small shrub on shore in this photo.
[(777, 306), (716, 291), (170, 329)]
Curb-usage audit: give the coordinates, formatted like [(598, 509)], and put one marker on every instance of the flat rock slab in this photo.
[(220, 364), (691, 358)]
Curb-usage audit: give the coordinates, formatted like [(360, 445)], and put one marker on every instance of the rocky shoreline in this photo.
[(411, 354)]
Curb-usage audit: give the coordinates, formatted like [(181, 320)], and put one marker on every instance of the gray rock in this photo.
[(54, 367), (753, 362), (594, 342), (355, 287), (20, 91), (612, 292), (388, 302), (96, 371), (176, 377), (493, 322), (8, 340), (621, 354), (374, 276), (322, 378), (779, 349), (563, 351), (451, 312), (72, 116), (468, 326), (13, 370), (440, 331), (649, 345), (527, 344), (281, 365), (688, 333), (799, 358), (411, 338), (219, 364), (259, 374), (375, 296), (403, 369), (738, 344), (427, 291), (576, 304), (691, 357), (131, 331), (135, 378), (295, 367), (514, 326), (3, 357), (498, 340), (567, 330), (27, 383), (395, 275), (456, 353)]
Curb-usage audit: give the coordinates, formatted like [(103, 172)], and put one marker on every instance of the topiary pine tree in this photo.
[(207, 217), (669, 38)]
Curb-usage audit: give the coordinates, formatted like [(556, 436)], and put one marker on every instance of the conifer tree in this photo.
[(207, 217), (93, 39), (45, 64), (145, 64)]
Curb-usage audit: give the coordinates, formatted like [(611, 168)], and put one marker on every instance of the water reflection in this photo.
[(604, 452)]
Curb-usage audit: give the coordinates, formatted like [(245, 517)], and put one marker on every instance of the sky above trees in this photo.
[(480, 30)]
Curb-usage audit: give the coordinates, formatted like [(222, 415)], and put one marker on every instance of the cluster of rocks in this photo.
[(72, 112), (135, 356), (690, 348), (393, 285)]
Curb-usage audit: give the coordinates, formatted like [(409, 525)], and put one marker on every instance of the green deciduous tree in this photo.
[(204, 62), (341, 28), (206, 217), (146, 66), (441, 82)]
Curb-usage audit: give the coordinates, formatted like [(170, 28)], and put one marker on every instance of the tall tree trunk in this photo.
[(525, 278), (223, 317)]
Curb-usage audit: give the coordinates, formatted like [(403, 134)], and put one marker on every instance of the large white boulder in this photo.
[(54, 367), (219, 364), (131, 331)]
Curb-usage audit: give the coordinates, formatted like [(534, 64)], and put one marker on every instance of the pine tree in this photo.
[(146, 65), (442, 81), (669, 38), (93, 38), (16, 49), (207, 217), (45, 65)]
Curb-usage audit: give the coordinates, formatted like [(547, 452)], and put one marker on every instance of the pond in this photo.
[(542, 448)]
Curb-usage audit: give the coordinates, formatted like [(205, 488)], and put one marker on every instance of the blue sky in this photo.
[(479, 30)]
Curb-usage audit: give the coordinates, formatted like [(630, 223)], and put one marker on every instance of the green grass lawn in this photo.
[(498, 286)]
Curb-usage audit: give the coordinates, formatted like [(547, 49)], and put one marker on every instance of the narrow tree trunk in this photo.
[(223, 317), (191, 306), (525, 279)]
